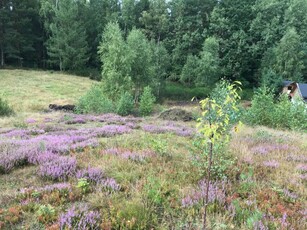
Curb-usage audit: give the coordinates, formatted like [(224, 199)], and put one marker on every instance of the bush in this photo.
[(5, 109), (281, 113), (260, 112), (94, 101), (125, 104), (147, 101)]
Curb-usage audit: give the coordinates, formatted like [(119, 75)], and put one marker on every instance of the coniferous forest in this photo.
[(196, 42)]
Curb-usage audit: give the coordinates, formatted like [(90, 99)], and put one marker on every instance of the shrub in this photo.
[(260, 112), (5, 109), (280, 113), (79, 218), (125, 104), (147, 101), (59, 168), (94, 101)]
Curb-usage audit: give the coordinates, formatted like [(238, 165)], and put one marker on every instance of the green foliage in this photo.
[(5, 109), (219, 112), (46, 213), (289, 56), (176, 91), (125, 104), (281, 113), (222, 162), (94, 101), (189, 71), (116, 64), (246, 215), (159, 145), (161, 66), (84, 185), (67, 46), (141, 61), (262, 105), (209, 63), (271, 79), (147, 101)]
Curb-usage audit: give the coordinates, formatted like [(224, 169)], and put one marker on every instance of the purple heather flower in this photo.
[(289, 194), (303, 177), (178, 130), (271, 164), (79, 217), (302, 167), (284, 222), (261, 150), (30, 120), (217, 193), (47, 188), (95, 175), (110, 184), (297, 158), (59, 168), (259, 225)]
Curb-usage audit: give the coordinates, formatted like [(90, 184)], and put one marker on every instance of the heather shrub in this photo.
[(58, 169), (125, 104), (94, 101), (80, 217), (5, 109), (147, 101)]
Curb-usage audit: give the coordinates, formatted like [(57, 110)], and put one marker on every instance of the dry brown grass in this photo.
[(276, 146)]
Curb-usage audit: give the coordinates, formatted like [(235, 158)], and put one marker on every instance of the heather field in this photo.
[(110, 172), (61, 170)]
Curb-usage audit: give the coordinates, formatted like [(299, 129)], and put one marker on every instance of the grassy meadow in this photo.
[(30, 92), (67, 171)]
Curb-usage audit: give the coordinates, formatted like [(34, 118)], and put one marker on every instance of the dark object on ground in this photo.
[(56, 107), (176, 115)]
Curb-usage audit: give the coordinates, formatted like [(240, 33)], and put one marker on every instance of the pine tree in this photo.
[(67, 47)]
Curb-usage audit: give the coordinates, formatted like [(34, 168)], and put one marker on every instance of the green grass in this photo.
[(32, 91), (29, 92)]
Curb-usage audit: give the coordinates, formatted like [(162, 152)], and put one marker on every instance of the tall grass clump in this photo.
[(94, 101), (276, 113), (147, 101), (5, 109)]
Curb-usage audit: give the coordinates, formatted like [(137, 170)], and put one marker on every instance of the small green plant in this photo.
[(46, 213), (159, 146), (125, 104), (94, 101), (5, 109), (84, 185), (147, 101)]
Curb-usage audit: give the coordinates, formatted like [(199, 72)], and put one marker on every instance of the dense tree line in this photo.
[(193, 41)]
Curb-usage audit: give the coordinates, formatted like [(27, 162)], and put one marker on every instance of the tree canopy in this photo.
[(230, 39)]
